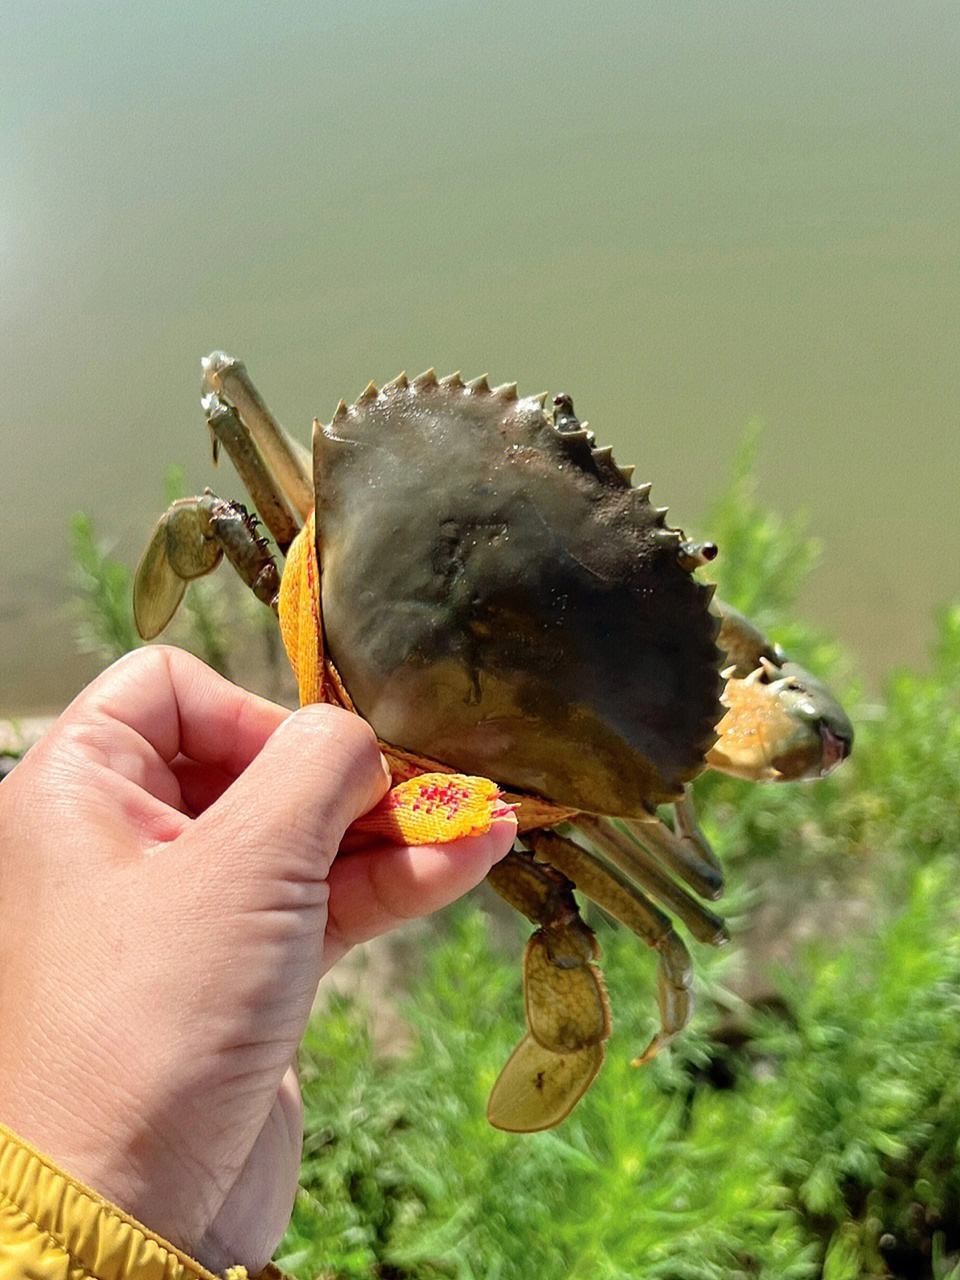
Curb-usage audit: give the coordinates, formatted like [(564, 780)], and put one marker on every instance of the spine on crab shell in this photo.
[(606, 467), (580, 444), (574, 439), (669, 538)]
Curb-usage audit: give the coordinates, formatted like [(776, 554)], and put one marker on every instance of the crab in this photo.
[(498, 595)]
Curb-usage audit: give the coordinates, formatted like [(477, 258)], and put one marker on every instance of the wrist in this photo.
[(114, 1152), (48, 1216)]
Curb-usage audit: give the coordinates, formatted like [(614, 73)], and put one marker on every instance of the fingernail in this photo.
[(503, 810), (385, 765)]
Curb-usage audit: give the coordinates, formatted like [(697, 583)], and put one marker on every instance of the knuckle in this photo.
[(151, 657), (347, 732), (151, 662), (360, 737)]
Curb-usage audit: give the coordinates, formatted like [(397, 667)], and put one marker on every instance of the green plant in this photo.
[(103, 589)]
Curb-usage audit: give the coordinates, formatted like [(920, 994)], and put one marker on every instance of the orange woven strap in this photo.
[(432, 803), (418, 810)]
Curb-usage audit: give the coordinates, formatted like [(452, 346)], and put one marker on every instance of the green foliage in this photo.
[(912, 770), (103, 588)]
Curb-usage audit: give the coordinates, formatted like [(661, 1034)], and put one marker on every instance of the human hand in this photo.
[(170, 898)]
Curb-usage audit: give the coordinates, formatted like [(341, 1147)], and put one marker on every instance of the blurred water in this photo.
[(684, 214)]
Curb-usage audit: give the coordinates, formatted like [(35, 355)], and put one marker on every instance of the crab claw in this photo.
[(782, 724), (820, 717)]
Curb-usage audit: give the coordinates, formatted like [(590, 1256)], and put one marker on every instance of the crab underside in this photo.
[(496, 594)]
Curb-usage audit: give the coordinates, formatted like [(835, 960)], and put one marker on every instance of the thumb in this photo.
[(285, 815)]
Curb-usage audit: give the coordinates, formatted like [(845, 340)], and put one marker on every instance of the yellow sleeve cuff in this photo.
[(54, 1228)]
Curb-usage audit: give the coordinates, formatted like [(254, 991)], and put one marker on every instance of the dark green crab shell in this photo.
[(497, 596)]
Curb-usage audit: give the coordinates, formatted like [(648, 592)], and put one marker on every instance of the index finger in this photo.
[(179, 706)]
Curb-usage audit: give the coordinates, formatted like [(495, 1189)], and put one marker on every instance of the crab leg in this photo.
[(189, 540), (604, 885), (286, 459), (674, 995), (623, 851), (567, 1012), (536, 890), (682, 856), (241, 446), (566, 1002), (613, 892), (688, 829)]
